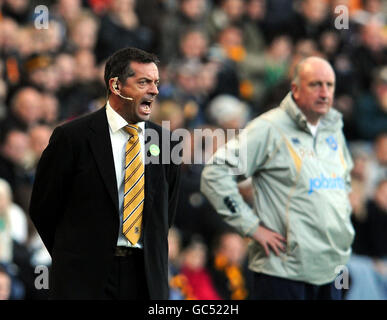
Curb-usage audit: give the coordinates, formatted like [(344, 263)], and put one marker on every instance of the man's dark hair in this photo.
[(118, 64)]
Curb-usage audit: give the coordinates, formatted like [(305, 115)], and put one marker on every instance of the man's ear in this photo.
[(294, 89), (113, 84)]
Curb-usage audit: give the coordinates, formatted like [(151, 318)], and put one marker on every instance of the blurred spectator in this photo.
[(249, 66), (337, 46), (256, 13), (368, 267), (358, 199), (348, 31), (329, 42), (233, 13), (5, 284), (25, 110), (177, 291), (175, 247), (279, 66), (278, 15), (33, 253), (14, 220), (196, 272), (19, 10), (39, 137), (368, 279), (194, 214), (185, 70), (376, 223), (377, 164), (13, 234), (371, 108), (85, 70), (361, 153), (19, 154), (13, 160), (50, 109), (277, 61), (310, 20), (228, 112), (66, 12), (228, 268), (78, 88), (13, 155), (344, 103), (65, 65), (192, 53), (224, 14), (83, 32), (25, 41), (151, 15), (99, 7), (208, 81), (370, 55), (193, 45), (171, 112), (11, 72), (8, 41), (120, 28), (304, 48), (3, 93), (5, 226), (49, 40), (186, 90), (41, 73), (372, 11), (190, 14)]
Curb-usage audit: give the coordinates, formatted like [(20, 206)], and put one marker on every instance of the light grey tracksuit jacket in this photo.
[(301, 184)]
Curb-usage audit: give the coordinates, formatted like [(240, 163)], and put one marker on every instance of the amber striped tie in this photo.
[(133, 187)]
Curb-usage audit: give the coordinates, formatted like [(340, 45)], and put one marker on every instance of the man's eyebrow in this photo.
[(148, 79), (320, 82)]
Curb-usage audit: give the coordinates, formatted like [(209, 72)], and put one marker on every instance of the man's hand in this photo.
[(267, 238)]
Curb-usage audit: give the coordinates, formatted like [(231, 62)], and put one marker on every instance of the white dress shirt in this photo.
[(119, 137)]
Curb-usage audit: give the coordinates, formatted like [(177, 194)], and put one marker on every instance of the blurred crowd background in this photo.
[(223, 62)]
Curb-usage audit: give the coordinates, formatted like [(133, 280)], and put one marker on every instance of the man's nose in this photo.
[(325, 91), (153, 89)]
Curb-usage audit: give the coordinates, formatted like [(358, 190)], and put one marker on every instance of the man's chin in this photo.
[(144, 117), (322, 109)]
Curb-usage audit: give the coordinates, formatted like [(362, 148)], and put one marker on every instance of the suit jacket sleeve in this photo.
[(51, 185)]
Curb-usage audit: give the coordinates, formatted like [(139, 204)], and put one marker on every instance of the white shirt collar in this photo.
[(313, 128), (116, 122)]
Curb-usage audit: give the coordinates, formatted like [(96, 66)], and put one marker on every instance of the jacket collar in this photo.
[(332, 120)]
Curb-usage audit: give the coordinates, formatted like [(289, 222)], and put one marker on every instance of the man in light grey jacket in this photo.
[(300, 166)]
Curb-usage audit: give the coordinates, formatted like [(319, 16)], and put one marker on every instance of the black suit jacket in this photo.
[(74, 206)]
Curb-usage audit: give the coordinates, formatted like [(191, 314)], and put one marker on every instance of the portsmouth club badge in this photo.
[(332, 143)]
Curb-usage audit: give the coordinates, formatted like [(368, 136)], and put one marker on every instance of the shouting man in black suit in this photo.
[(103, 199)]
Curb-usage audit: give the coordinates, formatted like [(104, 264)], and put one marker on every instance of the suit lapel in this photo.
[(102, 150)]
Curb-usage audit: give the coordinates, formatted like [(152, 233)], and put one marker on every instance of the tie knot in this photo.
[(132, 129)]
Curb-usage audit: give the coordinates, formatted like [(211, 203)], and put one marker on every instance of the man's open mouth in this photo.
[(145, 107)]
